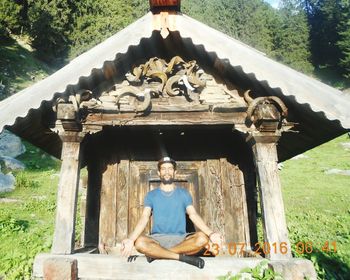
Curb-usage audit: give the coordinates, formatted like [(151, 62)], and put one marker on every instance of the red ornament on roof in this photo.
[(168, 4)]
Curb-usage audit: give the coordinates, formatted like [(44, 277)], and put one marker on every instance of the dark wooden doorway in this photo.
[(145, 178)]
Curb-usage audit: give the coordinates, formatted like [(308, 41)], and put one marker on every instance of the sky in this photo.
[(273, 3)]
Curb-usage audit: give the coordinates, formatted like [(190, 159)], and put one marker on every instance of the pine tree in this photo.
[(248, 21), (50, 23), (10, 20), (324, 35), (344, 39), (292, 37), (97, 20)]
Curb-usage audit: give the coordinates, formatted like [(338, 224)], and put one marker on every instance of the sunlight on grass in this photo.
[(317, 206)]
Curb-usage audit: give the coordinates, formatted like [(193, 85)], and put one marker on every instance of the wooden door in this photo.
[(144, 178), (216, 185)]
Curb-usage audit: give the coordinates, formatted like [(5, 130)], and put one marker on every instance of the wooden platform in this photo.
[(93, 266)]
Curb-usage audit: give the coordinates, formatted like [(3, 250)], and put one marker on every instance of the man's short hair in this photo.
[(166, 160)]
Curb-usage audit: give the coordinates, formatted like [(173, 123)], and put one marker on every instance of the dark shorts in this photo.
[(168, 241)]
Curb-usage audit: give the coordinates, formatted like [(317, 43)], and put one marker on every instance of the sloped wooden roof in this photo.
[(321, 111)]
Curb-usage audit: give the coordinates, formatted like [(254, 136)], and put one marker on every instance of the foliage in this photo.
[(9, 16), (22, 181), (344, 39), (10, 225), (283, 34), (329, 27), (97, 20), (261, 272), (50, 25), (298, 33), (249, 21), (62, 29), (291, 45)]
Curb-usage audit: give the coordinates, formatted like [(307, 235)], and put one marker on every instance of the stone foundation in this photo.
[(94, 266)]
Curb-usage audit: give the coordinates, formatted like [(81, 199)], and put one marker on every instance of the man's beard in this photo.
[(167, 181)]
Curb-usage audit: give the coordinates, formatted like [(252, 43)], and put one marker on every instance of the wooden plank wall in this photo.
[(108, 208), (213, 197), (122, 200), (217, 187), (236, 216)]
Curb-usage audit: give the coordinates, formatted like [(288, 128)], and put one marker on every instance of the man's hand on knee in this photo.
[(126, 247), (216, 238)]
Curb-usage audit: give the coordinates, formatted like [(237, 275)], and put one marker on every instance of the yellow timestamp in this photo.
[(308, 247), (239, 248), (265, 248)]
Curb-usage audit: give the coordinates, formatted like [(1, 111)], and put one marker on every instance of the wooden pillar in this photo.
[(271, 202), (64, 235)]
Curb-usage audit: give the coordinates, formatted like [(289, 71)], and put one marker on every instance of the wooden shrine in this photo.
[(215, 130), (223, 111)]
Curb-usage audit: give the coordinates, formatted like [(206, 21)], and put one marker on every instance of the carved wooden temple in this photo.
[(151, 91)]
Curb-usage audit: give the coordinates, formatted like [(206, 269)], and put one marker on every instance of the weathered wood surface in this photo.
[(218, 104), (236, 219), (216, 186), (64, 235), (213, 197), (114, 267), (179, 118), (135, 207), (274, 221), (122, 200), (108, 208), (155, 108)]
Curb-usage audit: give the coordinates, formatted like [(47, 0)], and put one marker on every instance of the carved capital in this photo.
[(72, 136), (266, 113), (263, 137)]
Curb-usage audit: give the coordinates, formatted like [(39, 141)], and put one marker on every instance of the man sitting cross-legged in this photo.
[(168, 205)]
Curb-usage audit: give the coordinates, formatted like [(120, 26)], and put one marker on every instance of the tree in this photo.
[(97, 20), (344, 39), (10, 20), (248, 21), (291, 44), (51, 21), (324, 33)]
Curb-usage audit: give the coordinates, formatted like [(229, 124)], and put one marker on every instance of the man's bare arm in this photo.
[(197, 220), (128, 243), (141, 224), (199, 223)]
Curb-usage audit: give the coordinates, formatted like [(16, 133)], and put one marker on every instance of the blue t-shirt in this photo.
[(168, 212)]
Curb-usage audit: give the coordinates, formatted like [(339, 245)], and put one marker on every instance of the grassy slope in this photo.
[(316, 204), (26, 226), (18, 67)]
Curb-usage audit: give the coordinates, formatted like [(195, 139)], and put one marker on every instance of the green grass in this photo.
[(26, 226), (317, 206), (18, 67)]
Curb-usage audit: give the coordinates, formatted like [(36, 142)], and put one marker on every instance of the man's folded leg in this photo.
[(154, 250)]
